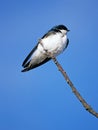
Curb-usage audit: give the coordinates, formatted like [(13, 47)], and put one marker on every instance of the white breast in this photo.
[(55, 43)]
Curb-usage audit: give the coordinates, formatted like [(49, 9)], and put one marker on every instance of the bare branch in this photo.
[(74, 90)]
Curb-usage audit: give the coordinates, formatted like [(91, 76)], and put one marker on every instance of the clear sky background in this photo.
[(41, 99)]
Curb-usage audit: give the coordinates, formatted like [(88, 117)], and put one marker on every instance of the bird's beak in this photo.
[(68, 30)]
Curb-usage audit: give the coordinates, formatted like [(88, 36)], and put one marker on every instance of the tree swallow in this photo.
[(54, 41)]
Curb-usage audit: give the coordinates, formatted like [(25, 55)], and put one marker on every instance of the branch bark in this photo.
[(74, 90)]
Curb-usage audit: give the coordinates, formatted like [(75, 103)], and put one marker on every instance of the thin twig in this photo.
[(74, 90)]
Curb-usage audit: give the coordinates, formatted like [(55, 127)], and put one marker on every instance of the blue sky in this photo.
[(40, 99)]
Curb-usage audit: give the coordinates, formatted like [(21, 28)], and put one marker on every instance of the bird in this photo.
[(54, 41)]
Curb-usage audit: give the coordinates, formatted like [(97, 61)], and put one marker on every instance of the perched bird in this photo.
[(54, 41)]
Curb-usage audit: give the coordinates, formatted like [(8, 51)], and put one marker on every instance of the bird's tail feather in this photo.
[(26, 69)]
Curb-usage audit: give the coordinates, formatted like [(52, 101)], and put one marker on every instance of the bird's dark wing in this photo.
[(67, 43), (26, 62), (34, 66)]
